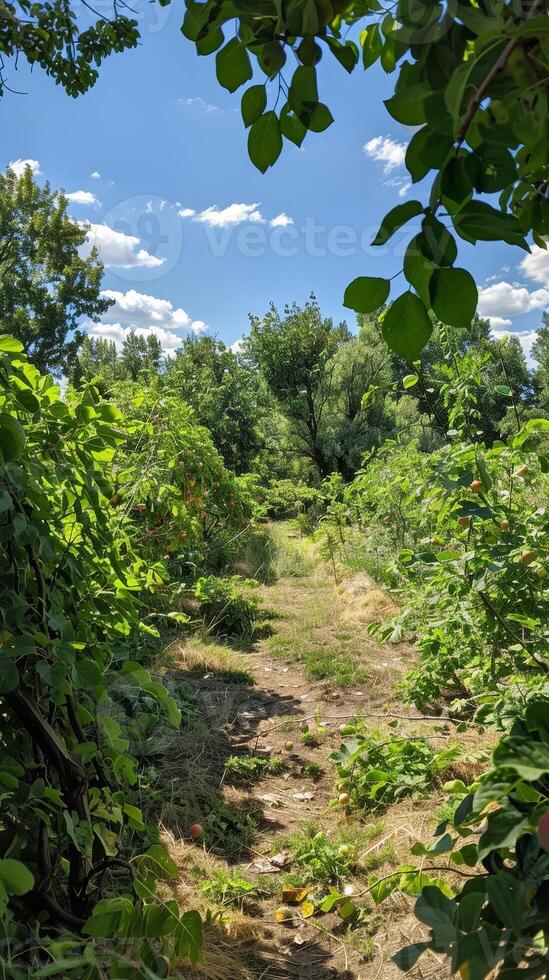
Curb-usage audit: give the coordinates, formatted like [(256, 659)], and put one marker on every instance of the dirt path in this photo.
[(290, 718)]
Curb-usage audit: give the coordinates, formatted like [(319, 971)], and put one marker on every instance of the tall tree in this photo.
[(540, 351), (226, 394), (46, 287), (294, 354)]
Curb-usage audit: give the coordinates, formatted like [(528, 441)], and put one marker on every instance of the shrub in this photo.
[(227, 606), (375, 770)]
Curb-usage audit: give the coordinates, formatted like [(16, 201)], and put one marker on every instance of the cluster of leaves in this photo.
[(75, 595), (324, 858), (375, 770), (246, 768), (498, 919), (49, 35), (185, 503), (471, 79), (228, 888)]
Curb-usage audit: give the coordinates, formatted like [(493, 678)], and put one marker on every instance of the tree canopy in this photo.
[(46, 286)]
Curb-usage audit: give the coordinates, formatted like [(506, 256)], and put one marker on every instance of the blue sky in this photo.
[(162, 138)]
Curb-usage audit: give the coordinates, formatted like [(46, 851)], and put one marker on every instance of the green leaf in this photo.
[(158, 862), (395, 218), (372, 45), (478, 220), (9, 675), (438, 912), (253, 104), (232, 65), (366, 294), (504, 827), (265, 141), (291, 126), (436, 242), (418, 269), (10, 345), (109, 918), (16, 877), (527, 758), (12, 438), (409, 380), (189, 936), (346, 54), (454, 296), (406, 326), (318, 117), (407, 105), (406, 958), (507, 896)]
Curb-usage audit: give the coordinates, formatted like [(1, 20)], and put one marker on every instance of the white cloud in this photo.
[(95, 174), (186, 213), (237, 346), (536, 265), (199, 103), (19, 167), (116, 332), (233, 214), (144, 315), (135, 309), (504, 300), (386, 151), (85, 198), (117, 249), (281, 221), (404, 188), (499, 321)]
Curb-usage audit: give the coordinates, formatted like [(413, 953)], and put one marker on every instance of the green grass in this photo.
[(294, 557), (338, 661)]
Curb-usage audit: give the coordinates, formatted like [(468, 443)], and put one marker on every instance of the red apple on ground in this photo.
[(196, 830)]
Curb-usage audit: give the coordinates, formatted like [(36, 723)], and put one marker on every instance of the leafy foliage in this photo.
[(498, 919), (468, 77), (374, 770), (46, 286), (49, 35)]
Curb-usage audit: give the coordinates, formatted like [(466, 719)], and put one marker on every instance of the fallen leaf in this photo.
[(307, 909), (294, 895), (303, 797), (299, 939), (283, 914)]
